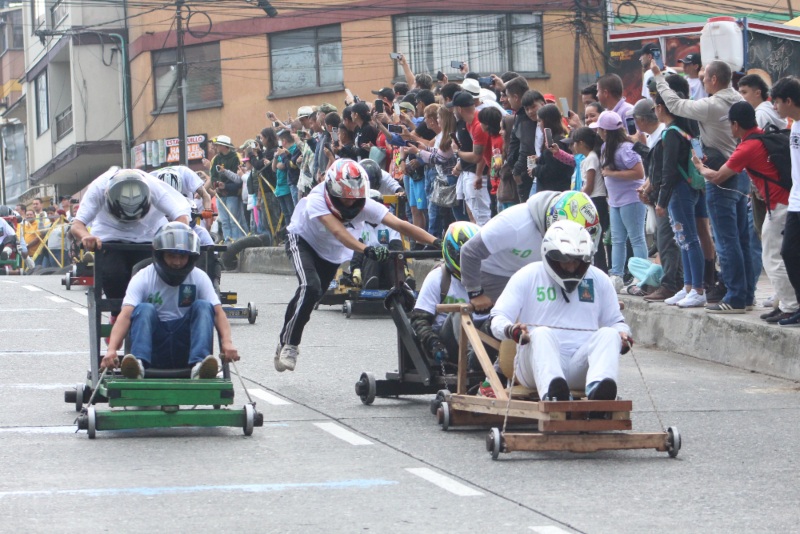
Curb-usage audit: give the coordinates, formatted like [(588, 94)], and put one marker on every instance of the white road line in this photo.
[(343, 434), (37, 386), (8, 281), (32, 288), (40, 352), (269, 398), (549, 529), (82, 311), (38, 430), (56, 299), (446, 483)]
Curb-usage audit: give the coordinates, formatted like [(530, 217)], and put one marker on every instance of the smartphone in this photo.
[(397, 108), (564, 107), (440, 76), (697, 146), (379, 106), (395, 55), (485, 81), (335, 134), (630, 123), (276, 124), (657, 58), (548, 137), (395, 128), (458, 65), (455, 140)]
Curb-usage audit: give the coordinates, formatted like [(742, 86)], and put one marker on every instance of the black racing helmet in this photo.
[(373, 172), (5, 211), (128, 196), (178, 238)]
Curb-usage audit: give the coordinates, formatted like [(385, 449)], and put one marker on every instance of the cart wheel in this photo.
[(249, 419), (91, 427), (365, 388), (252, 312), (673, 441), (444, 394), (493, 442), (67, 281), (444, 415), (347, 308), (79, 392), (435, 403)]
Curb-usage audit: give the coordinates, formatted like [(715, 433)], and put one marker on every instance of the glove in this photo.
[(517, 333), (207, 214), (437, 243), (439, 351), (379, 254), (356, 276)]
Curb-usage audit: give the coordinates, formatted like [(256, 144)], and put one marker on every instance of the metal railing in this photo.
[(58, 13), (63, 123)]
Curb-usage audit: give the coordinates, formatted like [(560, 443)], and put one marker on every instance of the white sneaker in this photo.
[(288, 358), (618, 283), (770, 302), (693, 300), (277, 360), (207, 368), (131, 367), (676, 298)]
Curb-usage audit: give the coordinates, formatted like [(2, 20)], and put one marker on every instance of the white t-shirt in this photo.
[(430, 295), (592, 162), (190, 180), (306, 224), (794, 147), (165, 203), (380, 235), (203, 236), (171, 302), (54, 241), (513, 241), (696, 89), (533, 298), (388, 185)]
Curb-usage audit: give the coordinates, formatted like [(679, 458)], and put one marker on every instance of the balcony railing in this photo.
[(63, 123)]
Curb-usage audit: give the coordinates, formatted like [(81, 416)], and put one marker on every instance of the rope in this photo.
[(236, 370), (235, 221), (652, 403), (510, 387)]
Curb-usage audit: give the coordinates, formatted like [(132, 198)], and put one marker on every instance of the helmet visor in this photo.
[(179, 240)]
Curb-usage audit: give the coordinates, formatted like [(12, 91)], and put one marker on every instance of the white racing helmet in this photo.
[(128, 196), (170, 176), (567, 241), (346, 179)]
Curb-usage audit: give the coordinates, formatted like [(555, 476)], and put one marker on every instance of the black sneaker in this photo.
[(558, 390), (605, 390), (794, 320), (780, 316), (716, 294), (770, 314)]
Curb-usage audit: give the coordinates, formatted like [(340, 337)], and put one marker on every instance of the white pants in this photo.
[(477, 199), (542, 360), (771, 240)]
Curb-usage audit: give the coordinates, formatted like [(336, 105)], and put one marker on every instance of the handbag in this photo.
[(443, 194)]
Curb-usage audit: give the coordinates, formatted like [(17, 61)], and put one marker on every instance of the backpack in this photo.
[(691, 174), (776, 142)]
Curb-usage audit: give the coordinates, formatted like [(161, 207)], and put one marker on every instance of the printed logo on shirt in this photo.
[(383, 237), (187, 295), (586, 291), (521, 253), (155, 298)]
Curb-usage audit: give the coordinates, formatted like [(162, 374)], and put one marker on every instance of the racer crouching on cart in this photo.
[(439, 332), (170, 309), (9, 244), (578, 330), (368, 273)]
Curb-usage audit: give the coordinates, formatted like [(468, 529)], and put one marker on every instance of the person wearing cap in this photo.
[(365, 134), (692, 65), (646, 55), (387, 95), (228, 189), (471, 86), (304, 116), (472, 140), (752, 156), (56, 241)]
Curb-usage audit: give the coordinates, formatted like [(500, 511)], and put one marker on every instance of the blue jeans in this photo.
[(287, 208), (683, 216), (295, 194), (236, 207), (727, 208), (437, 214), (172, 344), (755, 246), (627, 222)]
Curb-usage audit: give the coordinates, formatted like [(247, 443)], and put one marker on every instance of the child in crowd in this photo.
[(586, 142)]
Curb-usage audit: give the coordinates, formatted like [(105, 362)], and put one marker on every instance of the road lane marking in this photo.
[(8, 281), (38, 430), (549, 529), (343, 434), (446, 483), (56, 299), (26, 329), (269, 398), (82, 311), (26, 309), (40, 352), (32, 288), (176, 490), (37, 386)]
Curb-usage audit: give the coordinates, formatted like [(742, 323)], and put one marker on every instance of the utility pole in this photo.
[(576, 67), (180, 66)]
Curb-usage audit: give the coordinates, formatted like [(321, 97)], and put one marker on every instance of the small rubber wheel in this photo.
[(252, 312), (79, 392), (673, 441), (444, 394), (435, 403), (249, 419), (366, 388), (493, 442), (347, 308), (444, 415), (67, 281), (91, 428)]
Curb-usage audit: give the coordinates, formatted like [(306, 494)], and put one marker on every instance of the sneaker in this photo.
[(780, 316), (131, 367), (771, 314), (485, 390), (288, 358), (206, 369), (5, 254), (723, 307), (676, 298), (659, 295), (716, 294), (605, 390), (558, 390), (277, 360), (770, 302), (617, 283), (794, 320), (693, 300)]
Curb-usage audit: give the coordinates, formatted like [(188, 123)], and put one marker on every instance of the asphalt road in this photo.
[(323, 462)]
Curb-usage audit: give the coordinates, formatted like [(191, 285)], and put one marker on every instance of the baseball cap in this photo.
[(643, 107), (471, 86), (691, 59), (549, 98), (327, 108), (649, 48), (407, 106), (304, 111), (743, 114), (608, 120), (386, 92), (461, 99)]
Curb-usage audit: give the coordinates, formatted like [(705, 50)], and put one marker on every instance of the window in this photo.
[(309, 60), (42, 104), (11, 31), (38, 13), (58, 12), (489, 43), (203, 78)]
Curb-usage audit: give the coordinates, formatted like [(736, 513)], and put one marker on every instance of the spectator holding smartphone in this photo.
[(228, 190)]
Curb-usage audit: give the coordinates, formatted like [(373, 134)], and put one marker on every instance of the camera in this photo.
[(395, 55)]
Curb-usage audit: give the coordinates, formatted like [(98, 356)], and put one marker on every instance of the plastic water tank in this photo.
[(722, 39)]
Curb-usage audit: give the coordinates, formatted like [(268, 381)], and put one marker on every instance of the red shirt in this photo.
[(751, 154), (488, 142)]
